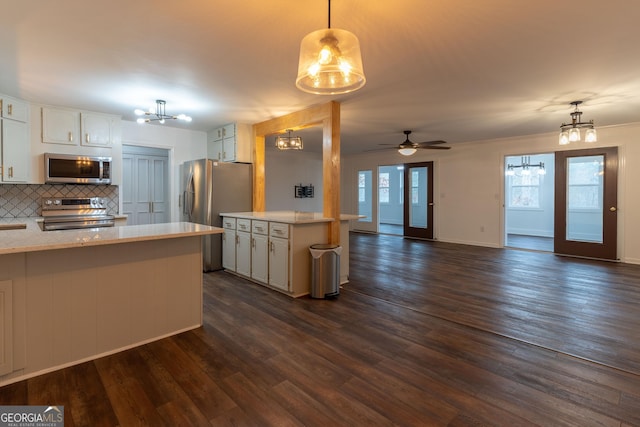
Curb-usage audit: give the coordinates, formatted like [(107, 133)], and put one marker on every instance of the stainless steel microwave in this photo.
[(72, 169)]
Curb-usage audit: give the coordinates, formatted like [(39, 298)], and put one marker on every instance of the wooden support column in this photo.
[(331, 171), (325, 115)]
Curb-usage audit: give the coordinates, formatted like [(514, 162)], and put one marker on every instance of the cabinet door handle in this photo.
[(10, 169), (70, 137), (87, 138), (10, 109)]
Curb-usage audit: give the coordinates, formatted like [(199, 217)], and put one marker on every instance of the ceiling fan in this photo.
[(408, 147)]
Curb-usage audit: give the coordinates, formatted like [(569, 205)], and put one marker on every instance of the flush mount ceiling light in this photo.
[(158, 113), (570, 132), (526, 166), (330, 62), (288, 142)]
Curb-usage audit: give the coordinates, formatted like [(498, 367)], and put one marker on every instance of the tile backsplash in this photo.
[(23, 200)]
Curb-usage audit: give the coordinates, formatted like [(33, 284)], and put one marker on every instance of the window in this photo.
[(383, 187), (585, 189), (362, 185), (524, 190), (415, 187)]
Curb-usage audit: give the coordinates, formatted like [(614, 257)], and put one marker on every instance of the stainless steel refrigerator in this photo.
[(210, 188)]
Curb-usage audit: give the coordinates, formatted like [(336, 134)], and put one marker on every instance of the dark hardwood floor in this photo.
[(425, 334)]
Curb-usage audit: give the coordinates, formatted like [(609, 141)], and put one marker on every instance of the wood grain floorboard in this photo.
[(453, 335)]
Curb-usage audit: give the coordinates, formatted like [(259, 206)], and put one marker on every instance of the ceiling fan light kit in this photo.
[(570, 132), (158, 113), (407, 148), (330, 62)]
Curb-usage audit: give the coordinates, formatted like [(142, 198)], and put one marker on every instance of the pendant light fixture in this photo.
[(158, 113), (330, 62), (288, 142), (570, 132)]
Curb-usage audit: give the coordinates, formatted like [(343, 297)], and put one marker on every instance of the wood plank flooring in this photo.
[(451, 336)]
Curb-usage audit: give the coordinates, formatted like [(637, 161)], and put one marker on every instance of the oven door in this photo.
[(76, 222)]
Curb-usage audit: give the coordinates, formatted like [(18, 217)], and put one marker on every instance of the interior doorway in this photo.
[(529, 201), (391, 199)]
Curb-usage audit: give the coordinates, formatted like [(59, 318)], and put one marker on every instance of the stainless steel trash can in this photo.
[(325, 270)]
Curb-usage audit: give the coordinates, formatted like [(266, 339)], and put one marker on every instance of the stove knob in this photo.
[(48, 202), (57, 202)]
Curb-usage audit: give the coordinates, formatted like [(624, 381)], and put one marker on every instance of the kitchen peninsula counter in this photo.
[(75, 295), (300, 229)]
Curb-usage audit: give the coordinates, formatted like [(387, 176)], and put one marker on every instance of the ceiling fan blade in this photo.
[(433, 147), (438, 141)]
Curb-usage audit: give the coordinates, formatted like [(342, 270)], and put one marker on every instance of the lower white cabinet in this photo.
[(260, 251), (279, 263), (229, 249), (243, 247)]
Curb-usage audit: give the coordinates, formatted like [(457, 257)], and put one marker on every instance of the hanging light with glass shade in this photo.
[(330, 62), (570, 132)]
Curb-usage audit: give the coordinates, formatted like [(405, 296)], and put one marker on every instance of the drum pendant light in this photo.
[(330, 62)]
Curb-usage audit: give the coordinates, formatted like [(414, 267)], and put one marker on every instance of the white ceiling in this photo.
[(459, 70)]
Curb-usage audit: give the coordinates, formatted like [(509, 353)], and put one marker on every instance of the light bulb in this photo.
[(542, 172), (564, 138), (141, 120), (574, 134), (590, 135), (139, 112)]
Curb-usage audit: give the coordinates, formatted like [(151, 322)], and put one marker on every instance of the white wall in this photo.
[(469, 185), (284, 170)]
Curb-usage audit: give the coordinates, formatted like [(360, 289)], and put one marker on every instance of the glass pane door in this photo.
[(418, 206), (365, 196), (586, 203)]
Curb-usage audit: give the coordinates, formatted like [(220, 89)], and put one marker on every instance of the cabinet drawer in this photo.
[(243, 224), (277, 229), (260, 227), (229, 223)]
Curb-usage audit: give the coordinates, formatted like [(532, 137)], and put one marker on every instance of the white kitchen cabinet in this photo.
[(15, 146), (279, 256), (97, 129), (229, 244), (70, 127), (260, 251), (14, 109), (243, 247), (60, 126), (230, 143)]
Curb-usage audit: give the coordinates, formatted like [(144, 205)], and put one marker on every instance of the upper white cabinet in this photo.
[(14, 143), (60, 126), (231, 143), (97, 129), (64, 126), (14, 109)]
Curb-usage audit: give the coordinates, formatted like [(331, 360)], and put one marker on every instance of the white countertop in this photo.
[(32, 238), (288, 217)]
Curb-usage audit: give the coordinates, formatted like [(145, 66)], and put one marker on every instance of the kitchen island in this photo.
[(272, 248), (74, 295)]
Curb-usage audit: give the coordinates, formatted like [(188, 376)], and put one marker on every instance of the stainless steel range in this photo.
[(66, 213)]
